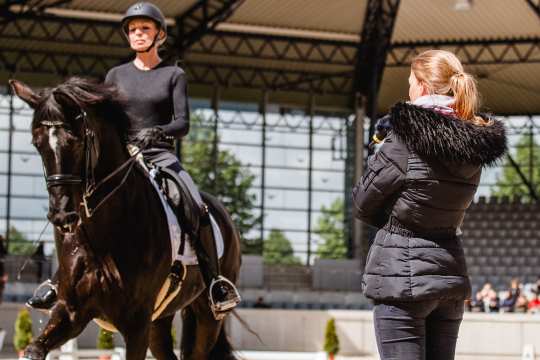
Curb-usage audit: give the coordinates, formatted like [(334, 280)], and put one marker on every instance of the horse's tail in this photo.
[(223, 349)]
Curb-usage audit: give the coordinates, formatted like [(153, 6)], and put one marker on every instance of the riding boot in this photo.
[(222, 293), (46, 300)]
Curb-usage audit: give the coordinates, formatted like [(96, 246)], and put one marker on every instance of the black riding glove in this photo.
[(382, 127), (149, 137)]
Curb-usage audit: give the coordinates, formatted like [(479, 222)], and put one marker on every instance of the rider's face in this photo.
[(141, 33)]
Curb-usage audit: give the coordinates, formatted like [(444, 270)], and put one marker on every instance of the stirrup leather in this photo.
[(221, 309)]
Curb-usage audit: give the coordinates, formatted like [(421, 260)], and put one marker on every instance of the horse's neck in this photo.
[(112, 155)]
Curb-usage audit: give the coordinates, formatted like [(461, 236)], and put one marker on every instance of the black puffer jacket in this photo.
[(416, 190)]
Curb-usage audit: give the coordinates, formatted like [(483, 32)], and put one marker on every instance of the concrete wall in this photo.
[(251, 272), (345, 275), (482, 336)]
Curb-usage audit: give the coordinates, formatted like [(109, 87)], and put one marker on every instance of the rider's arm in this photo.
[(384, 177), (179, 125)]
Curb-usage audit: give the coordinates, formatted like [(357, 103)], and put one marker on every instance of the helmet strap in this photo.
[(151, 45)]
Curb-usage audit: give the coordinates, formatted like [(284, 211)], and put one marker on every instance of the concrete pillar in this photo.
[(358, 248)]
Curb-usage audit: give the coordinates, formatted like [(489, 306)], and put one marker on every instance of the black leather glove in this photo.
[(148, 137), (382, 127)]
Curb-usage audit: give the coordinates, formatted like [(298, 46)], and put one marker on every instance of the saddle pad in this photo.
[(175, 232)]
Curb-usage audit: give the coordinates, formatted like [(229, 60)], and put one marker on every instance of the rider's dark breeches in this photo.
[(202, 238)]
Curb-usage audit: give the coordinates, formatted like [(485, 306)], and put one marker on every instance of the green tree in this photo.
[(277, 249), (331, 340), (330, 229), (105, 340), (510, 183), (18, 243), (231, 183), (23, 330)]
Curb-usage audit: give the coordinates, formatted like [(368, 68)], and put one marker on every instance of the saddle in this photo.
[(177, 192)]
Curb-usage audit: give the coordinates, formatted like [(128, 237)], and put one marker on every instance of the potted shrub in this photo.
[(105, 341), (23, 331), (173, 335), (331, 341)]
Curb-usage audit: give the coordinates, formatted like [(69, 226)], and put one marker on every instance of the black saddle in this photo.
[(178, 196)]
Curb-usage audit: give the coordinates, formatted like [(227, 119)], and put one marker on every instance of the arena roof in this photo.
[(332, 50)]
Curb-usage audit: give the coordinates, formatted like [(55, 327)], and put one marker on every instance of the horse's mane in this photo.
[(85, 93)]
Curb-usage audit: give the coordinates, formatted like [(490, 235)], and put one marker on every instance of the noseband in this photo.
[(88, 178)]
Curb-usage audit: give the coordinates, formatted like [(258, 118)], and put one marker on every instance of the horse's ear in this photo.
[(24, 92)]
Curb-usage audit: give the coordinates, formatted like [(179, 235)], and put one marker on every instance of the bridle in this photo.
[(88, 175)]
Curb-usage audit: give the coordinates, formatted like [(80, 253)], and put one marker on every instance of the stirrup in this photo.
[(221, 309), (48, 284)]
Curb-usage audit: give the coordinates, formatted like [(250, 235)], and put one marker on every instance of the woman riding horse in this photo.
[(157, 107)]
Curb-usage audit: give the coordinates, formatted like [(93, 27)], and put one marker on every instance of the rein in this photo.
[(88, 178)]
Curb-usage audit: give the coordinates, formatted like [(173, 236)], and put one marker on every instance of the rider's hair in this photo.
[(443, 74)]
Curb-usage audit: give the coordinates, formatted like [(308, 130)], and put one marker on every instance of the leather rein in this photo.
[(88, 177)]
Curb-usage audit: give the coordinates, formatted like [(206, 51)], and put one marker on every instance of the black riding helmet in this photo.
[(144, 10)]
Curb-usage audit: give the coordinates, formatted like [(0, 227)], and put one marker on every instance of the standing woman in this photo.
[(157, 107), (416, 190)]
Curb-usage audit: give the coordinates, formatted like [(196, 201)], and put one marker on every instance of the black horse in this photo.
[(111, 232)]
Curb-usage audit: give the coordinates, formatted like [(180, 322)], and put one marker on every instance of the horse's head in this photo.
[(65, 131)]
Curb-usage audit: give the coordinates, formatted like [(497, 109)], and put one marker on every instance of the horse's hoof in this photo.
[(33, 352)]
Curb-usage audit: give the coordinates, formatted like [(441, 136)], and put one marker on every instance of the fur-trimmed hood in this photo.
[(437, 136)]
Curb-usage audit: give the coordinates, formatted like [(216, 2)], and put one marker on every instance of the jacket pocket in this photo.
[(374, 167)]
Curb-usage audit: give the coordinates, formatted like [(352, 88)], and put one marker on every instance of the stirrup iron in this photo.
[(221, 309)]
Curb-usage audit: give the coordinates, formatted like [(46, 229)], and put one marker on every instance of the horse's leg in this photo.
[(161, 342), (63, 325), (202, 336), (137, 336)]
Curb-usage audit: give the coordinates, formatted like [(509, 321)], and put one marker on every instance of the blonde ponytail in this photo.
[(442, 72)]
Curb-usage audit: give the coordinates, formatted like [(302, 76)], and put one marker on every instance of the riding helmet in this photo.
[(145, 10)]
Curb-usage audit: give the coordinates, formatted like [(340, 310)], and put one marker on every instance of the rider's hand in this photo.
[(148, 137)]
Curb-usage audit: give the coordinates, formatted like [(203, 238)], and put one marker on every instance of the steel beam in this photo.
[(535, 5), (16, 60), (44, 29), (277, 47), (62, 63), (202, 17), (375, 44), (473, 52), (60, 30), (268, 78)]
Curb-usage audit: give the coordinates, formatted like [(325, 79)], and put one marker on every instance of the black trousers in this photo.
[(421, 330)]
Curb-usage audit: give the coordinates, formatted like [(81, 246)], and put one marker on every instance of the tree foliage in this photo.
[(105, 340), (23, 330), (277, 249), (510, 183), (18, 243), (330, 228), (231, 183), (331, 340)]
